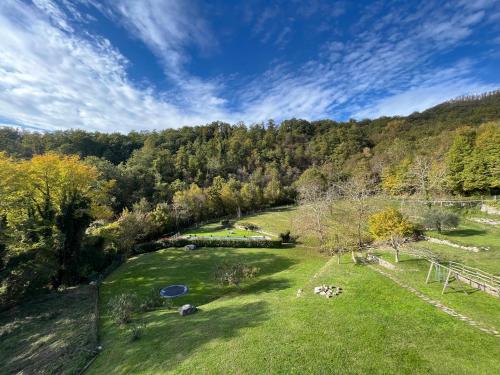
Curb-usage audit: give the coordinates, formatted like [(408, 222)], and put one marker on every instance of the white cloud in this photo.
[(54, 77), (385, 67)]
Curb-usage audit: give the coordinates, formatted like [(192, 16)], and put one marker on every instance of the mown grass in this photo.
[(373, 327), (52, 334), (475, 304), (217, 230), (487, 260), (274, 221), (472, 234)]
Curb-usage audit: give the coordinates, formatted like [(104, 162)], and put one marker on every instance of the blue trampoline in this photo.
[(174, 291)]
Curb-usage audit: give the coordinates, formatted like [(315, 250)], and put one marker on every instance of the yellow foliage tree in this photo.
[(390, 225)]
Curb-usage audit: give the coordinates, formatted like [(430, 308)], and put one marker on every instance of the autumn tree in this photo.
[(456, 158), (390, 225)]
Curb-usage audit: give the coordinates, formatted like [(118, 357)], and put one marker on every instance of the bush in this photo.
[(437, 219), (122, 307), (233, 274), (154, 300), (248, 226), (225, 223), (136, 331), (148, 247), (286, 237)]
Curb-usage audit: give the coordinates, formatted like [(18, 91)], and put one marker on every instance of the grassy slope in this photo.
[(476, 305), (373, 327), (472, 234), (48, 335), (274, 221)]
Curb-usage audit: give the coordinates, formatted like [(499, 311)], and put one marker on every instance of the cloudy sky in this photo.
[(122, 65)]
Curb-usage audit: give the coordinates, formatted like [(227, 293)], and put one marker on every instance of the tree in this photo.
[(314, 216), (47, 202), (354, 206), (390, 225), (456, 158), (311, 178), (481, 170), (438, 219), (396, 180), (339, 242)]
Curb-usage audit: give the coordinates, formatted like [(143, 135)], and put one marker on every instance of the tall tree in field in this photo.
[(482, 168), (456, 159), (354, 205), (315, 205), (390, 225)]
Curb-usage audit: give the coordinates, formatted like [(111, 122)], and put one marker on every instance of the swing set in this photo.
[(476, 278)]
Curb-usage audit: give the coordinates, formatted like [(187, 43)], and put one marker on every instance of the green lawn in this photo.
[(217, 230), (488, 261), (472, 234), (477, 305), (51, 334), (373, 327), (274, 221)]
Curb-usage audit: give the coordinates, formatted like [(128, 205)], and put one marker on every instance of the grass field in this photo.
[(373, 327), (475, 304), (52, 334), (472, 234), (217, 230)]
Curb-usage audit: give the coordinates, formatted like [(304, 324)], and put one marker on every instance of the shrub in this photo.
[(248, 226), (147, 247), (136, 331), (225, 223), (153, 300), (437, 219), (122, 307), (233, 274), (286, 237)]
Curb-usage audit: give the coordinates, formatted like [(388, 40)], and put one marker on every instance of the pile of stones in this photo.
[(328, 291)]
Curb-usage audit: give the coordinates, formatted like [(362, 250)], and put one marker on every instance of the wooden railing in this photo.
[(475, 274)]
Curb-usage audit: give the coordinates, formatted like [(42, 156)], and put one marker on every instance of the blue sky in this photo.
[(122, 65)]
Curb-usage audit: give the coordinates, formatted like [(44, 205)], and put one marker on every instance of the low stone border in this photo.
[(482, 220), (474, 249), (382, 262)]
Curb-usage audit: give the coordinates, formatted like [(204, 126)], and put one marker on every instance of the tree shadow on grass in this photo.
[(194, 269), (464, 232), (466, 290), (171, 339)]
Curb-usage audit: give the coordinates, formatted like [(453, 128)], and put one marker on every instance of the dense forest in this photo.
[(73, 202)]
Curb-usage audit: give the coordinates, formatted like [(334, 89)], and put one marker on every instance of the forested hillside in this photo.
[(133, 187)]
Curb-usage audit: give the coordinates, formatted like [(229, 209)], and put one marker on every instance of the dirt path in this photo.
[(438, 304)]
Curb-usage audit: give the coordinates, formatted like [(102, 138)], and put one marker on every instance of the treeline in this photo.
[(73, 202)]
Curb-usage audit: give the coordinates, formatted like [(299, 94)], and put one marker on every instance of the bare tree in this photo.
[(315, 210), (355, 194), (339, 242), (427, 176)]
